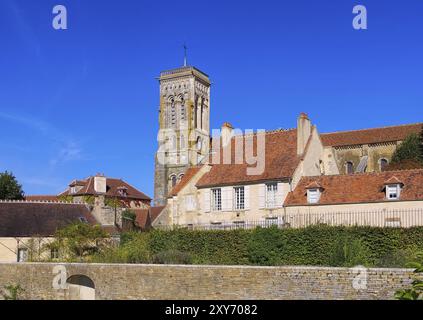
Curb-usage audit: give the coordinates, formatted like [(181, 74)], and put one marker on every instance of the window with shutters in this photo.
[(313, 196), (239, 198), (271, 195), (217, 199)]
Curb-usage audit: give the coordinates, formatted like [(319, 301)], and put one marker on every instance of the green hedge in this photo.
[(318, 246)]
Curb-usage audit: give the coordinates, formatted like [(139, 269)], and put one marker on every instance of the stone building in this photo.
[(106, 197), (368, 150), (26, 227), (184, 127)]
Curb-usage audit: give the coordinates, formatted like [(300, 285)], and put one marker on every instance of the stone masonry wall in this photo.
[(207, 282)]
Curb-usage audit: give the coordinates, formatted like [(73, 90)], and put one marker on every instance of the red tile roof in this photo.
[(358, 188), (281, 160), (145, 217), (189, 174), (113, 186), (368, 136)]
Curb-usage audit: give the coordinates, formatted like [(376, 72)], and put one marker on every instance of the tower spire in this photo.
[(185, 55)]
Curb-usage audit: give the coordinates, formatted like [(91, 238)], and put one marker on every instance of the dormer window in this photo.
[(393, 191), (314, 191), (73, 190), (393, 188), (123, 192), (313, 196)]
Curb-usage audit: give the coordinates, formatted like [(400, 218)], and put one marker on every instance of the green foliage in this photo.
[(129, 215), (416, 291), (13, 292), (317, 245), (172, 257), (66, 198), (410, 149), (78, 241), (89, 200), (10, 189), (113, 202)]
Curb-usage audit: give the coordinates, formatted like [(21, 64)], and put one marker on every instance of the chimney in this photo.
[(100, 183), (227, 132), (303, 132)]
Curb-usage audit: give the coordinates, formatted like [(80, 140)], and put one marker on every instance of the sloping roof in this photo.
[(368, 136), (281, 160), (30, 219), (112, 189), (47, 198), (358, 188), (145, 217), (189, 174)]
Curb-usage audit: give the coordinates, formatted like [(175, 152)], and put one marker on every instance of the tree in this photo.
[(410, 151), (416, 291), (10, 189), (78, 241)]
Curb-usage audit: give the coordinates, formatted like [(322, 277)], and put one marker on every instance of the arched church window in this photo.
[(199, 144), (383, 164), (173, 180), (349, 167)]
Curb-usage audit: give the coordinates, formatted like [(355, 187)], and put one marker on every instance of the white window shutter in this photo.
[(280, 195), (247, 197), (227, 199), (262, 196), (207, 200)]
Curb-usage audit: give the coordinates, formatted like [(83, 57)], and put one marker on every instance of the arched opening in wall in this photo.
[(383, 164), (349, 167), (81, 288), (173, 181)]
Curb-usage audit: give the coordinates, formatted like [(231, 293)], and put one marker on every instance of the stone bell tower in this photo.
[(184, 127)]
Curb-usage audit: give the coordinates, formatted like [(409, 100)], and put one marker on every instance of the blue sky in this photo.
[(85, 100)]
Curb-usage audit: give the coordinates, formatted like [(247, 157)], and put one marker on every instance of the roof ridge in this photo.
[(367, 129), (41, 201), (364, 173)]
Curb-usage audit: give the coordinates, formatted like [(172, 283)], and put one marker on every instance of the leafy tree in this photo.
[(78, 241), (410, 150), (10, 189), (416, 291)]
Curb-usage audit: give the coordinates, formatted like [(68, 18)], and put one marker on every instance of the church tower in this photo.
[(184, 127)]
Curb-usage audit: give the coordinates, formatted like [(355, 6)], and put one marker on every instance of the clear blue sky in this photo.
[(85, 100)]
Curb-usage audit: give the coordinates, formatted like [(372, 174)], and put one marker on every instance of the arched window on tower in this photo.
[(383, 164), (349, 167), (173, 180)]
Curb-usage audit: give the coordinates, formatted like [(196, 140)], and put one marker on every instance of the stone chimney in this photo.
[(303, 132), (227, 133), (100, 183)]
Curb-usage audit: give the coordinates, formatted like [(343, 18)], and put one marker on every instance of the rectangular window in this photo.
[(239, 196), (217, 199), (271, 195), (313, 196), (54, 253), (22, 255), (393, 192)]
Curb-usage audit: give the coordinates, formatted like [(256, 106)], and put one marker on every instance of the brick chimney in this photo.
[(303, 132), (100, 183), (227, 133)]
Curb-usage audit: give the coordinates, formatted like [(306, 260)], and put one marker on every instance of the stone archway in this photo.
[(81, 288)]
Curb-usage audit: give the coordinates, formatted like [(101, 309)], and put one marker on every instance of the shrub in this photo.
[(172, 257)]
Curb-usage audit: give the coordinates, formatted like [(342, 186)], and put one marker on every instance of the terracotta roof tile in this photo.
[(50, 198), (113, 186), (189, 174), (358, 188), (368, 136), (280, 162)]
